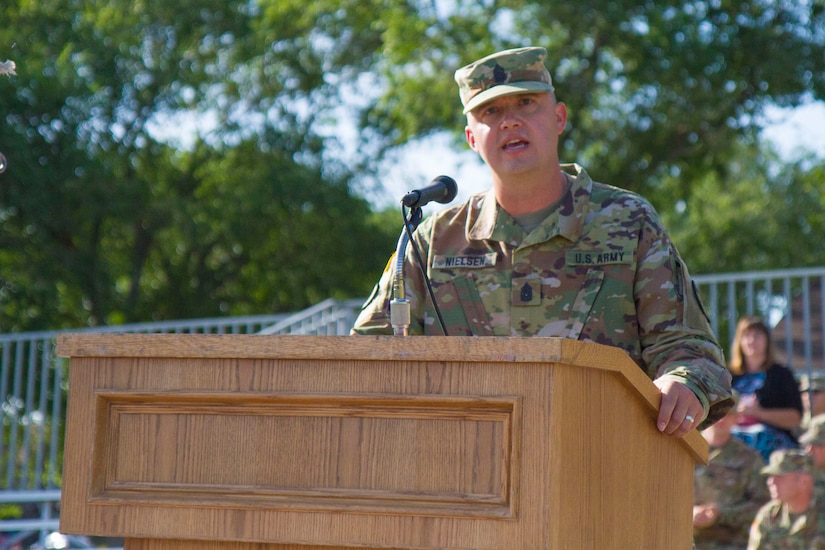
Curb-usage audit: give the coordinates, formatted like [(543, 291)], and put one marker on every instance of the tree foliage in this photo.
[(103, 222), (753, 219), (652, 89), (663, 99), (105, 217)]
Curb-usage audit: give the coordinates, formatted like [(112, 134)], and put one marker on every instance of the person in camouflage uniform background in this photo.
[(728, 491), (792, 520), (812, 390), (547, 251), (813, 441)]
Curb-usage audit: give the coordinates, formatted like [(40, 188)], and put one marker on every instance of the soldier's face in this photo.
[(517, 133), (783, 486)]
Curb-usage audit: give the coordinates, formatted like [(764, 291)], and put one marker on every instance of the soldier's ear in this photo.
[(561, 117), (471, 139)]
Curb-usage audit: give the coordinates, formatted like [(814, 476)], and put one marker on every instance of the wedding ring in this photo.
[(689, 418)]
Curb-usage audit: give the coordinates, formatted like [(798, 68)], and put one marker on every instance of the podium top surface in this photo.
[(422, 348)]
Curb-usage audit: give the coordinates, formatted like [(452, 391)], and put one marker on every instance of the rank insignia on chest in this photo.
[(526, 292)]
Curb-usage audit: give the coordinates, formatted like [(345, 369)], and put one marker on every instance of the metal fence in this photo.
[(33, 379), (789, 300)]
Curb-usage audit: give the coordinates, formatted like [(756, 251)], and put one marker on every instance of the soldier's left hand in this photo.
[(680, 410)]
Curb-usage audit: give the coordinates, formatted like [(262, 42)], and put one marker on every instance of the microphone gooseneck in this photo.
[(442, 189)]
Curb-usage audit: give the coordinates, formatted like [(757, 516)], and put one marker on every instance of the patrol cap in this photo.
[(815, 434), (516, 71), (788, 461)]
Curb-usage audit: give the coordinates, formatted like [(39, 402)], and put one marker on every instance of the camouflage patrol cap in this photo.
[(507, 72), (788, 461), (815, 434)]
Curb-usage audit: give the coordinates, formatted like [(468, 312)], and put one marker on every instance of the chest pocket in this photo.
[(455, 280), (462, 308), (583, 303)]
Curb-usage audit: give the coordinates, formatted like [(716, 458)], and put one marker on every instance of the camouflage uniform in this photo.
[(811, 387), (732, 480), (815, 435), (599, 268), (775, 527)]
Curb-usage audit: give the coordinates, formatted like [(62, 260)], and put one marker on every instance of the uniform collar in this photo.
[(493, 223)]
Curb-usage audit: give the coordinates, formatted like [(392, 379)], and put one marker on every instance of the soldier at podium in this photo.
[(548, 251)]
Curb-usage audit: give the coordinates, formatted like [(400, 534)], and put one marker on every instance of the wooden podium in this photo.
[(249, 442)]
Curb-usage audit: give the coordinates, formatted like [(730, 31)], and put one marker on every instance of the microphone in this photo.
[(442, 189)]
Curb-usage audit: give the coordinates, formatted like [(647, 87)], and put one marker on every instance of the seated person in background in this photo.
[(727, 492), (812, 390), (770, 405), (791, 519)]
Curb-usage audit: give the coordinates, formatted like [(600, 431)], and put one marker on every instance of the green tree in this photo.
[(757, 218), (101, 222), (256, 232), (666, 100), (653, 90), (662, 98)]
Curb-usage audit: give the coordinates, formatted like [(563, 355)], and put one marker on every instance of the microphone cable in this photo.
[(420, 261)]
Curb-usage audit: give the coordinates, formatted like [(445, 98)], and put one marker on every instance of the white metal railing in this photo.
[(789, 300), (328, 318)]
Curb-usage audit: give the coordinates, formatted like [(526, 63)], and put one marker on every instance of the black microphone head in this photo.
[(450, 188), (442, 189)]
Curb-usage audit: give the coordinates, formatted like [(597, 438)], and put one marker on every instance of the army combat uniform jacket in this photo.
[(776, 528), (600, 268), (731, 480)]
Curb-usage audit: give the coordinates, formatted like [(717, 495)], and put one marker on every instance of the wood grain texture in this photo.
[(321, 452), (283, 442)]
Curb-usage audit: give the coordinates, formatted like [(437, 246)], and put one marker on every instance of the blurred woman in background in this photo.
[(770, 405)]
